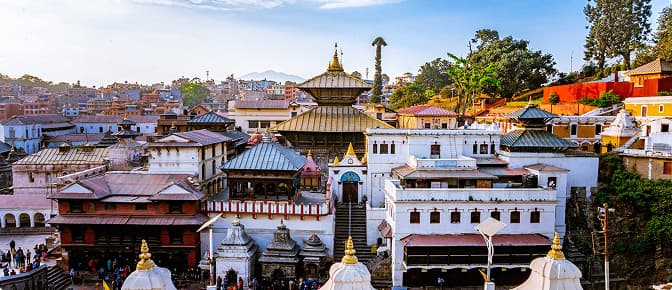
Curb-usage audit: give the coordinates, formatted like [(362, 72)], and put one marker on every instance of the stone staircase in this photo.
[(357, 230), (58, 277)]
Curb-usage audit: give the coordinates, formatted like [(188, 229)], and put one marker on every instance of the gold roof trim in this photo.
[(349, 257), (556, 249), (351, 151), (145, 262)]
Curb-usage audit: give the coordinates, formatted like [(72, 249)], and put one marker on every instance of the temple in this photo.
[(328, 129), (281, 257)]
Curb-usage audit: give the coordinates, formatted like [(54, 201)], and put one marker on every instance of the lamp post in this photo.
[(488, 229), (211, 260), (603, 213)]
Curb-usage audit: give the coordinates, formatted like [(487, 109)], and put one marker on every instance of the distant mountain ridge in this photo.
[(272, 76)]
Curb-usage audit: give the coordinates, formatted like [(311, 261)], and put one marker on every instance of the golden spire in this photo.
[(335, 65), (349, 257), (336, 161), (365, 158), (310, 153), (172, 125), (236, 221), (556, 249), (125, 116), (351, 151), (145, 262)]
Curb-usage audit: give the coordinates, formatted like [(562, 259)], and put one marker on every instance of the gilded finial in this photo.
[(126, 117), (335, 65), (349, 257), (556, 249), (365, 158), (172, 125), (336, 161), (145, 262), (310, 153), (12, 149), (236, 221), (351, 151)]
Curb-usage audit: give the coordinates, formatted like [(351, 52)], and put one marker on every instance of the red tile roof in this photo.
[(426, 110), (474, 240)]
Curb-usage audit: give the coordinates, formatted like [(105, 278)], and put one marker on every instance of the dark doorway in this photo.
[(231, 277), (350, 193)]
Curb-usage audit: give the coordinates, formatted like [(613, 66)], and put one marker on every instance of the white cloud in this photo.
[(335, 4)]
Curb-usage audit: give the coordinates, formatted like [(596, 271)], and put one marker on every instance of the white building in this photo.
[(28, 131), (101, 124), (259, 115)]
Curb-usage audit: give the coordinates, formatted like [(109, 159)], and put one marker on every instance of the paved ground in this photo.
[(26, 242)]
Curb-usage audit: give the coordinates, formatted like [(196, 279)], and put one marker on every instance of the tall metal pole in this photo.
[(211, 260), (606, 247)]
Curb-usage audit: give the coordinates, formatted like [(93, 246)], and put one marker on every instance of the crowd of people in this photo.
[(19, 261), (271, 284)]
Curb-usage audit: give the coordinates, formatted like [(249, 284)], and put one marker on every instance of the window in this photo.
[(415, 217), (572, 129), (110, 206), (661, 108), (515, 217), (475, 148), (484, 149), (379, 116), (264, 124), (253, 124), (444, 125), (140, 206), (598, 129), (475, 217), (664, 128), (552, 182), (549, 128), (455, 217), (535, 217), (294, 114), (76, 206), (77, 234), (644, 111), (435, 151), (31, 177), (667, 168), (175, 237), (492, 148), (393, 148), (434, 217), (383, 149), (428, 125), (375, 148), (496, 214), (175, 207)]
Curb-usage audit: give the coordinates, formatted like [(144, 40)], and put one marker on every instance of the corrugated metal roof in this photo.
[(531, 111), (334, 80), (240, 137), (210, 118), (331, 119), (656, 66), (535, 138), (202, 137), (129, 220), (96, 156), (261, 104), (266, 156), (408, 172), (426, 110), (473, 240), (114, 119)]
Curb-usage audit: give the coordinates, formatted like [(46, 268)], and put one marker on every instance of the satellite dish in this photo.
[(208, 223)]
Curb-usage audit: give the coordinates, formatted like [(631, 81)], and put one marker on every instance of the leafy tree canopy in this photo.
[(356, 74), (410, 94), (432, 75), (469, 80), (194, 92)]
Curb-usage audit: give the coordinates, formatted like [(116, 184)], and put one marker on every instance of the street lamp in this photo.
[(488, 229), (209, 224)]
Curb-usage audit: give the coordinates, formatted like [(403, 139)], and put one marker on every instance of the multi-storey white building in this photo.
[(427, 190)]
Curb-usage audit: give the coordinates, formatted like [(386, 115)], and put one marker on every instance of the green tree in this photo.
[(379, 42), (663, 36), (470, 80), (410, 94), (356, 74), (617, 28), (194, 92), (519, 68), (553, 99), (432, 75)]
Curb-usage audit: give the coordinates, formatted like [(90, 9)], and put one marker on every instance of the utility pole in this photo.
[(602, 215), (207, 75)]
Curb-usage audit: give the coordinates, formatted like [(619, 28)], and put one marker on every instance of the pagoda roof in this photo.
[(266, 155), (210, 118), (235, 135), (531, 111), (330, 80), (310, 168), (331, 119), (523, 138), (656, 66)]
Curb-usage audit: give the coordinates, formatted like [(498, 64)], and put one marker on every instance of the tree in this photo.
[(194, 92), (663, 36), (553, 99), (432, 75), (617, 28), (356, 74), (518, 67), (408, 95), (379, 42), (470, 80)]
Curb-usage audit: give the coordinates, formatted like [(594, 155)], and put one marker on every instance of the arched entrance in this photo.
[(231, 277), (350, 187), (10, 220), (39, 219), (24, 220)]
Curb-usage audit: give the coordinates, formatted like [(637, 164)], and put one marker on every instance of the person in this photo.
[(72, 275), (6, 271), (219, 282), (12, 244), (240, 283)]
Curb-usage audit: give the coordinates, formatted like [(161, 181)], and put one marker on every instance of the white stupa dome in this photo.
[(553, 272), (349, 274), (148, 276)]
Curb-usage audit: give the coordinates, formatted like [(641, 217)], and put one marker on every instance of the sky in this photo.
[(102, 41)]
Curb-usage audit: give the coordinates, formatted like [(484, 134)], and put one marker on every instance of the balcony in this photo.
[(461, 162), (396, 192)]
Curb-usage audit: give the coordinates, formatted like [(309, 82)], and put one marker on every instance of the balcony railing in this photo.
[(268, 208), (399, 193), (442, 163)]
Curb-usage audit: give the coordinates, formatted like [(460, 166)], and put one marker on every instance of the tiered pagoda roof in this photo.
[(210, 118), (310, 168), (314, 251), (331, 119), (237, 243), (266, 156), (282, 250), (532, 135)]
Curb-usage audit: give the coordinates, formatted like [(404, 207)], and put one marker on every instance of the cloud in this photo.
[(236, 5), (336, 4)]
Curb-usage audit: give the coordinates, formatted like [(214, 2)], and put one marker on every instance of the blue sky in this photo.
[(102, 41)]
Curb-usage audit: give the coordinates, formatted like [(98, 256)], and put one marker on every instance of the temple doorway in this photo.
[(231, 277), (350, 189)]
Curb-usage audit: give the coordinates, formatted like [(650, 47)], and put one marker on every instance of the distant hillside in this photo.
[(272, 75)]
